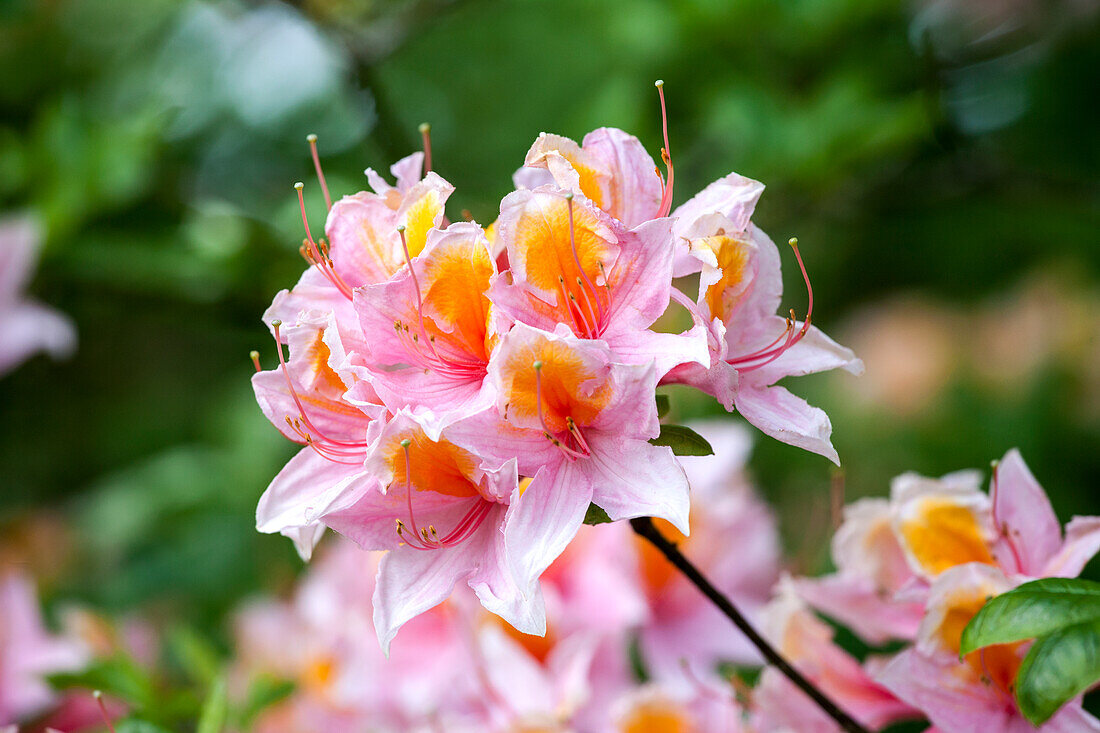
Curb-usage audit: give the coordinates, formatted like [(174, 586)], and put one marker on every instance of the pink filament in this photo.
[(317, 167), (315, 256), (666, 155), (772, 351)]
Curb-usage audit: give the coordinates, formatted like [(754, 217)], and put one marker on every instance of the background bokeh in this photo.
[(938, 161)]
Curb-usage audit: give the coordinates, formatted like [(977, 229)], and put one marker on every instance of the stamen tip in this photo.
[(276, 323), (400, 228), (793, 241), (311, 138), (299, 185), (97, 694), (659, 83), (405, 443), (568, 195), (253, 354), (537, 365), (424, 128)]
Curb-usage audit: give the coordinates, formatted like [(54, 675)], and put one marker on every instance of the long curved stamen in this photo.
[(771, 352), (317, 255), (426, 136), (577, 259), (312, 139), (666, 154), (793, 242)]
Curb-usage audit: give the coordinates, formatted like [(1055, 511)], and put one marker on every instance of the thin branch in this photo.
[(644, 526)]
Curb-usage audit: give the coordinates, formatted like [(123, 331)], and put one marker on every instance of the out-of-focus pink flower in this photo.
[(655, 708), (28, 652), (975, 694), (26, 327), (887, 552), (733, 541), (323, 641), (807, 643)]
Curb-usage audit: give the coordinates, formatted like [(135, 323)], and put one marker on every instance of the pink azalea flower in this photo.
[(365, 246), (305, 399), (976, 694), (440, 510), (26, 327), (592, 602), (807, 643), (572, 264), (654, 707), (752, 348), (888, 552), (322, 640), (579, 424), (610, 168), (733, 541), (528, 694), (28, 652), (430, 329)]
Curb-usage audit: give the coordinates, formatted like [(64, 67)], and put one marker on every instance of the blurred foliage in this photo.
[(909, 149)]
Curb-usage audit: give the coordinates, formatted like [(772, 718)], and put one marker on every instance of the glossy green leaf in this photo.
[(1031, 610), (1063, 616), (683, 440), (664, 404), (1058, 667)]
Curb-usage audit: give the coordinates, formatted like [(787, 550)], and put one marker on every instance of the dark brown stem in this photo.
[(644, 526)]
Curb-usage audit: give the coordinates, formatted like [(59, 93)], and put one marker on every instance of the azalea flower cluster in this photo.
[(464, 394), (916, 568)]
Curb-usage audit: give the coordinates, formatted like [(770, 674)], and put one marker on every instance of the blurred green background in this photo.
[(938, 161)]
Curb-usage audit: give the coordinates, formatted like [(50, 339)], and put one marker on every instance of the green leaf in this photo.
[(664, 404), (1058, 667), (215, 709), (1063, 616), (1031, 610), (596, 515), (683, 440)]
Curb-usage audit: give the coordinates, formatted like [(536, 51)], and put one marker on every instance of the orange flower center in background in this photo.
[(943, 534)]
